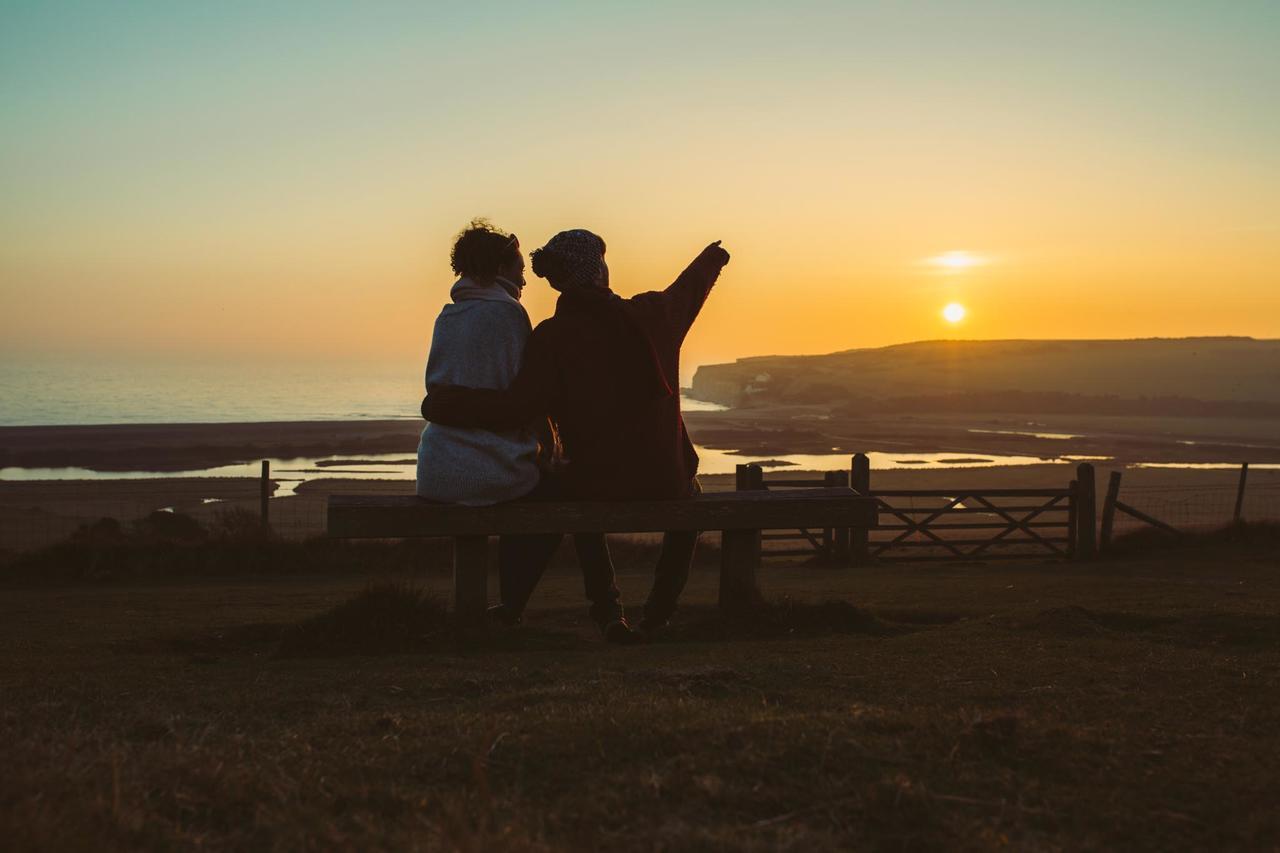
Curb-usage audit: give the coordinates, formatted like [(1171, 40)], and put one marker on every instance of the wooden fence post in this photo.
[(1109, 510), (837, 540), (264, 495), (1244, 477), (860, 481), (1087, 512), (749, 478), (1073, 519), (740, 553)]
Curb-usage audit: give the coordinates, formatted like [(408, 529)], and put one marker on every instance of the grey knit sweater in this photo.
[(478, 342)]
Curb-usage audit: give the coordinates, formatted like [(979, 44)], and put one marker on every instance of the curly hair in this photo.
[(480, 249)]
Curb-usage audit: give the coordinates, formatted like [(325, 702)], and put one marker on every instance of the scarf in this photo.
[(465, 289)]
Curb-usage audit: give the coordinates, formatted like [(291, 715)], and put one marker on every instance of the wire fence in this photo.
[(1194, 508)]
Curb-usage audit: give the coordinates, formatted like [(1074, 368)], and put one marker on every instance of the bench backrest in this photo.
[(390, 517)]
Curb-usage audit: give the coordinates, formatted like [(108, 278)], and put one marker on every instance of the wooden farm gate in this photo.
[(975, 524), (944, 524)]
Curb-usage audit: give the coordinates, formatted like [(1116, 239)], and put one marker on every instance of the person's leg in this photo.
[(598, 577), (521, 563), (523, 559), (672, 571), (670, 576)]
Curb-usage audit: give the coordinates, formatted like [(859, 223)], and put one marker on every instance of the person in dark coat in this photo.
[(479, 340), (607, 371)]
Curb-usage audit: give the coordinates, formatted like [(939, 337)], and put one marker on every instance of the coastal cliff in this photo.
[(1230, 376)]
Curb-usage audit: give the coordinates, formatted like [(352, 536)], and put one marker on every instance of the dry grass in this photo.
[(1127, 704)]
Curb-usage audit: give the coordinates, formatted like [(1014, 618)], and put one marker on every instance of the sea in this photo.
[(150, 391), (106, 391), (68, 392), (64, 392)]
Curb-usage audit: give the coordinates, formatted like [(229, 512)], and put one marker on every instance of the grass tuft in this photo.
[(1247, 537), (386, 618)]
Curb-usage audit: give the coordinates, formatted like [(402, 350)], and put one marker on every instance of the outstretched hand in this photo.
[(716, 254)]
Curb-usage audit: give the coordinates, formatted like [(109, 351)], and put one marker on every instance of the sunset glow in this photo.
[(257, 182), (956, 261)]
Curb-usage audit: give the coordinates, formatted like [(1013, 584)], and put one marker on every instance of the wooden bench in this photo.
[(739, 516)]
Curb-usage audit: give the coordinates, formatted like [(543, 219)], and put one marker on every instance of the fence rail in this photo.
[(1028, 524), (827, 544), (1008, 523), (917, 524), (934, 524)]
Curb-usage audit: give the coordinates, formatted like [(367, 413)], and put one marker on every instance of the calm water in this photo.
[(66, 392), (117, 392)]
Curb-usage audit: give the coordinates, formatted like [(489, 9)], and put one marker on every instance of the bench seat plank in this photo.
[(407, 516)]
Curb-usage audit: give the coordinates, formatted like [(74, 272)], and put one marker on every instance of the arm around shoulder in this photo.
[(517, 406)]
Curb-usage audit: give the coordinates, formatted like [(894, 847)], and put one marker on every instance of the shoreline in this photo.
[(750, 432), (42, 509), (194, 446)]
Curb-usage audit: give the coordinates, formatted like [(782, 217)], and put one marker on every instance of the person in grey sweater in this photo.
[(478, 341)]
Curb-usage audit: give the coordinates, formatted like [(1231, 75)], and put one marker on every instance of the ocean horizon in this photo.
[(64, 392)]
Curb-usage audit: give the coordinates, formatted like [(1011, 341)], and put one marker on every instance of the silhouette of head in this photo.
[(484, 253), (572, 260)]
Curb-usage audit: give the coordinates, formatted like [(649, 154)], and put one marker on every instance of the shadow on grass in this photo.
[(398, 618), (1195, 629), (783, 618), (381, 619)]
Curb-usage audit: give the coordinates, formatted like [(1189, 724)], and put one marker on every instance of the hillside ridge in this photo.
[(1219, 369)]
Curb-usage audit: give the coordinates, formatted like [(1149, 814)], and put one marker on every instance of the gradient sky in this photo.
[(266, 179)]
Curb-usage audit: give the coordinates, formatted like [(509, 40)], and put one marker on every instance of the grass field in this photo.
[(1127, 704)]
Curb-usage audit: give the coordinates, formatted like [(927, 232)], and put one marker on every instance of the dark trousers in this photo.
[(671, 574), (522, 560)]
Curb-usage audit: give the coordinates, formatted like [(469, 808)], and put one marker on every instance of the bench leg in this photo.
[(739, 570), (842, 547), (470, 579), (859, 547)]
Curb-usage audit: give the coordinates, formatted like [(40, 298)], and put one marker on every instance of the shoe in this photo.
[(619, 633), (500, 614), (651, 627)]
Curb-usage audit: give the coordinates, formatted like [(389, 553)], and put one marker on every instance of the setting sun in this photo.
[(954, 312)]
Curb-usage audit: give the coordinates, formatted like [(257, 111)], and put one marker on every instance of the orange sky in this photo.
[(247, 186)]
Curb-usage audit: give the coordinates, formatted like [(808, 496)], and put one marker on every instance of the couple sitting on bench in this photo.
[(584, 407)]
